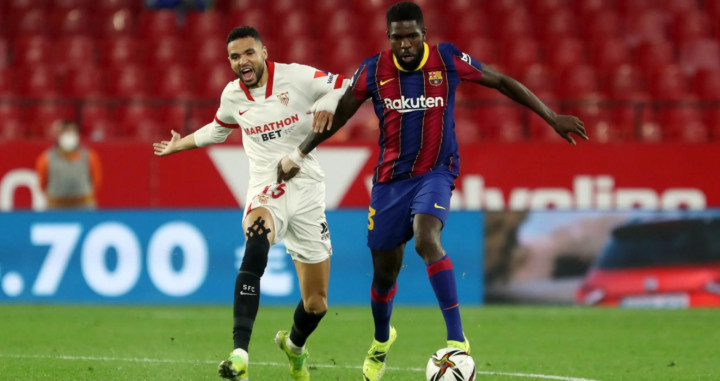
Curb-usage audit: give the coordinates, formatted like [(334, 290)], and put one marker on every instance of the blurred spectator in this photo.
[(69, 173)]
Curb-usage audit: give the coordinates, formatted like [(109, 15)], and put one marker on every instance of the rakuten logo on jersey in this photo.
[(403, 104)]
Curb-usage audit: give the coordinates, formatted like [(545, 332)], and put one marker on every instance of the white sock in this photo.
[(294, 348), (242, 353)]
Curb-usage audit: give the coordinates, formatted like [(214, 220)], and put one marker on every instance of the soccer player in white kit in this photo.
[(269, 104)]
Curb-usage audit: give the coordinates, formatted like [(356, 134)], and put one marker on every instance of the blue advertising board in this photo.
[(192, 256)]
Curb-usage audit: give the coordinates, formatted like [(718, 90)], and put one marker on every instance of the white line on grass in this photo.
[(149, 360)]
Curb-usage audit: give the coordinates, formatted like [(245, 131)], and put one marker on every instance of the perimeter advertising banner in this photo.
[(521, 176), (192, 257)]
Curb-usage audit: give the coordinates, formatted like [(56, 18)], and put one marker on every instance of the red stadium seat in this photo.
[(137, 121), (683, 124), (158, 24), (83, 83), (164, 51), (564, 54), (588, 7), (172, 82), (654, 54), (12, 125), (482, 49), (31, 51), (338, 23), (601, 25), (707, 84), (72, 22), (211, 81), (712, 120), (650, 25), (514, 24), (294, 25), (302, 50), (557, 25), (4, 53), (466, 26), (28, 23), (501, 123), (680, 6), (113, 24), (691, 25), (39, 118), (256, 17), (712, 9), (7, 82), (279, 9), (116, 5), (127, 82), (19, 5), (97, 122), (519, 54), (206, 26), (208, 53), (668, 83), (37, 82), (235, 5), (120, 52), (639, 120), (72, 4), (75, 52), (202, 115), (626, 83), (699, 54), (635, 6), (579, 82), (544, 8), (609, 54), (599, 124), (539, 78), (173, 118)]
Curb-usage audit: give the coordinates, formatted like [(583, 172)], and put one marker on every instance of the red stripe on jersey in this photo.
[(441, 265), (388, 84), (467, 72), (319, 74), (433, 121), (271, 78), (226, 125), (359, 88), (245, 90), (339, 81)]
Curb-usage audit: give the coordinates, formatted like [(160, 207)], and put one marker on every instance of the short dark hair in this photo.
[(404, 11), (242, 32)]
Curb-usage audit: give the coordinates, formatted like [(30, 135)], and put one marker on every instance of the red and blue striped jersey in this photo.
[(415, 108)]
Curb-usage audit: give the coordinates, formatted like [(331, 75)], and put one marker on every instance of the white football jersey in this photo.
[(273, 119)]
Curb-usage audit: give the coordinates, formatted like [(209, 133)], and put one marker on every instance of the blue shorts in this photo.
[(394, 204)]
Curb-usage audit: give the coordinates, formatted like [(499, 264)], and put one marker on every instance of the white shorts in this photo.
[(298, 210)]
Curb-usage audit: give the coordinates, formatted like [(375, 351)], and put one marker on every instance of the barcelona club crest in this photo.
[(284, 98), (435, 78)]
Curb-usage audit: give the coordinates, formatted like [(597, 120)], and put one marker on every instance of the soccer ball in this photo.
[(450, 364)]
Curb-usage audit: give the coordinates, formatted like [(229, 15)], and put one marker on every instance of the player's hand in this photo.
[(286, 169), (565, 124), (167, 147), (322, 120)]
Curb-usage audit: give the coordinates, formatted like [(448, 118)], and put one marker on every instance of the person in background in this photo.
[(69, 173)]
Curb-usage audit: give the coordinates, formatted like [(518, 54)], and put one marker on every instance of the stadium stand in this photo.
[(641, 70)]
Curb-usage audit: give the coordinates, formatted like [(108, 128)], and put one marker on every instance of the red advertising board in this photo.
[(518, 176)]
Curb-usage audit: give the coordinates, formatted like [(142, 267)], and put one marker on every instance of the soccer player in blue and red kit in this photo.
[(412, 87)]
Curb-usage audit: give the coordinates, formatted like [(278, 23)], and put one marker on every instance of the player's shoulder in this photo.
[(232, 89), (448, 48)]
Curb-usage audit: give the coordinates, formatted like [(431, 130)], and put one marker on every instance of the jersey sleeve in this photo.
[(222, 125), (321, 82), (468, 68), (359, 85)]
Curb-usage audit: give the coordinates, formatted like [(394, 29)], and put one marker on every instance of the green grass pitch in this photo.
[(508, 343)]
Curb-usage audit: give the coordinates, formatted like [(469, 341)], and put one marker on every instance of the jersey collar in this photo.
[(426, 54), (268, 85)]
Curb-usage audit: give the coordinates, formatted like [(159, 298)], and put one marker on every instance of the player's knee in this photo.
[(385, 278), (316, 304), (257, 247), (428, 248)]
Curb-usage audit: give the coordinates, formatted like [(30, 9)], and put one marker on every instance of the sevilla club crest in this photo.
[(435, 78), (284, 98)]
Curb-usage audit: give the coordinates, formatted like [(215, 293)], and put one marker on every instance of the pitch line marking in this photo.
[(263, 363)]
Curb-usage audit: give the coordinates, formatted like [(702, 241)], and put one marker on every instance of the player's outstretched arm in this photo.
[(175, 144), (289, 166), (562, 124)]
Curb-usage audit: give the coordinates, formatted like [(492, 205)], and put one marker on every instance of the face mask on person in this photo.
[(68, 141)]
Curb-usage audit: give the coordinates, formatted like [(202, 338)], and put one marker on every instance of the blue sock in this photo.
[(381, 301), (442, 279)]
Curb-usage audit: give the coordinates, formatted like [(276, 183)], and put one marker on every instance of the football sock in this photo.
[(304, 323), (247, 283), (442, 279), (381, 302)]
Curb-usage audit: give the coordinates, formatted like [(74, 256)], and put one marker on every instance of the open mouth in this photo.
[(247, 74)]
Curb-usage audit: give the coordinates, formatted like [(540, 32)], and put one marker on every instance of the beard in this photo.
[(257, 71), (412, 65)]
